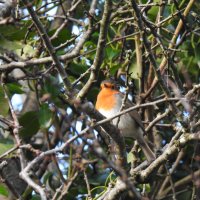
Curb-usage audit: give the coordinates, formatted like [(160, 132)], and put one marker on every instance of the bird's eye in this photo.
[(111, 86), (105, 85)]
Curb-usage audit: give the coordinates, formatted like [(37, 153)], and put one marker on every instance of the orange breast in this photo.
[(106, 99)]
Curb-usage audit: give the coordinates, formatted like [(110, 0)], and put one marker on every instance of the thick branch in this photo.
[(185, 138)]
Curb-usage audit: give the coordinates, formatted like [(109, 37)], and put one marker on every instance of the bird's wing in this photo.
[(134, 114)]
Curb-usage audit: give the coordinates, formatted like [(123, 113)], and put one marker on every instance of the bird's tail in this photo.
[(147, 151)]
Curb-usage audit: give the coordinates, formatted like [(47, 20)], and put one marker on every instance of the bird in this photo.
[(7, 8), (109, 102)]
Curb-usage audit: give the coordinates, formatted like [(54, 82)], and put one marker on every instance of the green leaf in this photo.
[(153, 11), (130, 157), (28, 51), (77, 68), (114, 68), (135, 71), (4, 108), (52, 86), (63, 36), (197, 52), (14, 88), (35, 197), (15, 32), (47, 176), (112, 53), (3, 190), (185, 195), (38, 3), (5, 147), (95, 37), (92, 94), (30, 124), (90, 45), (45, 116), (16, 47)]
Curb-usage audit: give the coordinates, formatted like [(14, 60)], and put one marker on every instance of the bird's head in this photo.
[(110, 84)]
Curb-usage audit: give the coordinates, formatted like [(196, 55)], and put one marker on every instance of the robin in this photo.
[(109, 102)]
